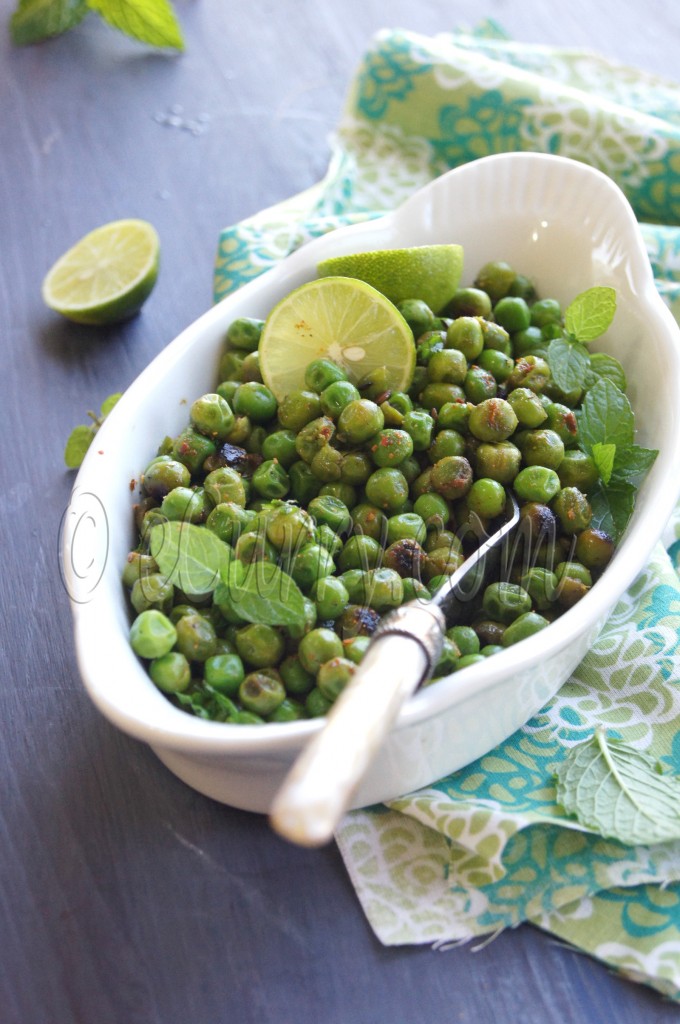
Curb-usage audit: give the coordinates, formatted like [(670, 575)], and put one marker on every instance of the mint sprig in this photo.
[(587, 317), (606, 432), (619, 792), (82, 436), (148, 21)]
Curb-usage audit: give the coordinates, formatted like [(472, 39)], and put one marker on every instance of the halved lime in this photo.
[(428, 272), (106, 276), (335, 318)]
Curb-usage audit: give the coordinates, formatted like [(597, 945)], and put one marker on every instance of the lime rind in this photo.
[(428, 272)]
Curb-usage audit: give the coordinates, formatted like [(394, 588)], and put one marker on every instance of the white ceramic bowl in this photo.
[(565, 225)]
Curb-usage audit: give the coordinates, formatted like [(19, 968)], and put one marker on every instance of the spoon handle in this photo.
[(319, 787)]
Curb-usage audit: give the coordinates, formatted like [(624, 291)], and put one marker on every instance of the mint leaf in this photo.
[(612, 506), (261, 593), (568, 362), (79, 441), (606, 417), (149, 21), (192, 557), (633, 462), (618, 792), (603, 457), (108, 404), (35, 20), (590, 313), (604, 365)]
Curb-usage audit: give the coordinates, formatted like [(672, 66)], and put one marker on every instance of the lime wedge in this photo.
[(428, 272), (106, 276), (335, 318)]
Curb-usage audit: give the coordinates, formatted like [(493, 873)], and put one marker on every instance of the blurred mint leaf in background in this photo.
[(148, 21)]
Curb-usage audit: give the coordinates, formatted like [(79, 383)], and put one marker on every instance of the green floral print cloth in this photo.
[(488, 847)]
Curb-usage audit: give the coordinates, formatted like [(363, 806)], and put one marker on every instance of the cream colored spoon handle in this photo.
[(319, 787)]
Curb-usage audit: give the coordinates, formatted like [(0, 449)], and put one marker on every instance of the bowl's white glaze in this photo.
[(566, 226)]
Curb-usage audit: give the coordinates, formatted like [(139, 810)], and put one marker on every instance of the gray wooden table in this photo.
[(126, 898)]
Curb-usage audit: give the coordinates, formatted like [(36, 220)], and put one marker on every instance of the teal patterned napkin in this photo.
[(488, 847)]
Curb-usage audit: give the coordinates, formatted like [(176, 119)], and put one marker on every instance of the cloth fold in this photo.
[(488, 847)]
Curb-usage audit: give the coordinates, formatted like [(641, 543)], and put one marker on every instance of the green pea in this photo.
[(307, 622), (452, 477), (226, 389), (196, 637), (250, 369), (314, 436), (326, 465), (317, 647), (287, 711), (225, 485), (542, 448), (244, 333), (328, 539), (255, 547), (578, 470), (504, 602), (259, 645), (161, 477), (465, 639), (406, 524), (594, 548), (192, 449), (527, 406), (561, 419), (454, 416), (541, 585), (322, 372), (387, 489), (390, 447), (434, 396), (428, 344), (287, 526), (212, 415), (360, 420), (355, 648), (469, 659), (332, 511), (545, 311), (333, 677), (344, 492), (469, 302), (230, 365), (311, 563), (414, 589), (331, 597), (573, 510), (420, 426), (186, 504), (496, 278), (500, 461), (448, 367), (271, 480), (479, 385), (152, 634), (496, 338), (447, 662), (297, 679), (524, 626), (261, 693), (152, 591), (303, 484), (529, 372), (355, 468), (496, 363), (299, 408), (370, 521), (529, 342), (536, 483), (280, 445), (433, 509), (492, 420), (490, 649), (138, 564), (316, 704), (404, 556), (417, 315), (360, 552), (224, 672), (512, 312), (465, 334), (336, 396), (171, 672), (486, 498)]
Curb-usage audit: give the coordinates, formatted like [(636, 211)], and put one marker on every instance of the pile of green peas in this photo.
[(369, 498)]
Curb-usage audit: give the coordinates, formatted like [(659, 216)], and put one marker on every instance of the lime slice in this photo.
[(107, 275), (428, 272), (335, 318)]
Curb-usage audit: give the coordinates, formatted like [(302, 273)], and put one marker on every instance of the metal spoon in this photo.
[(403, 652)]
